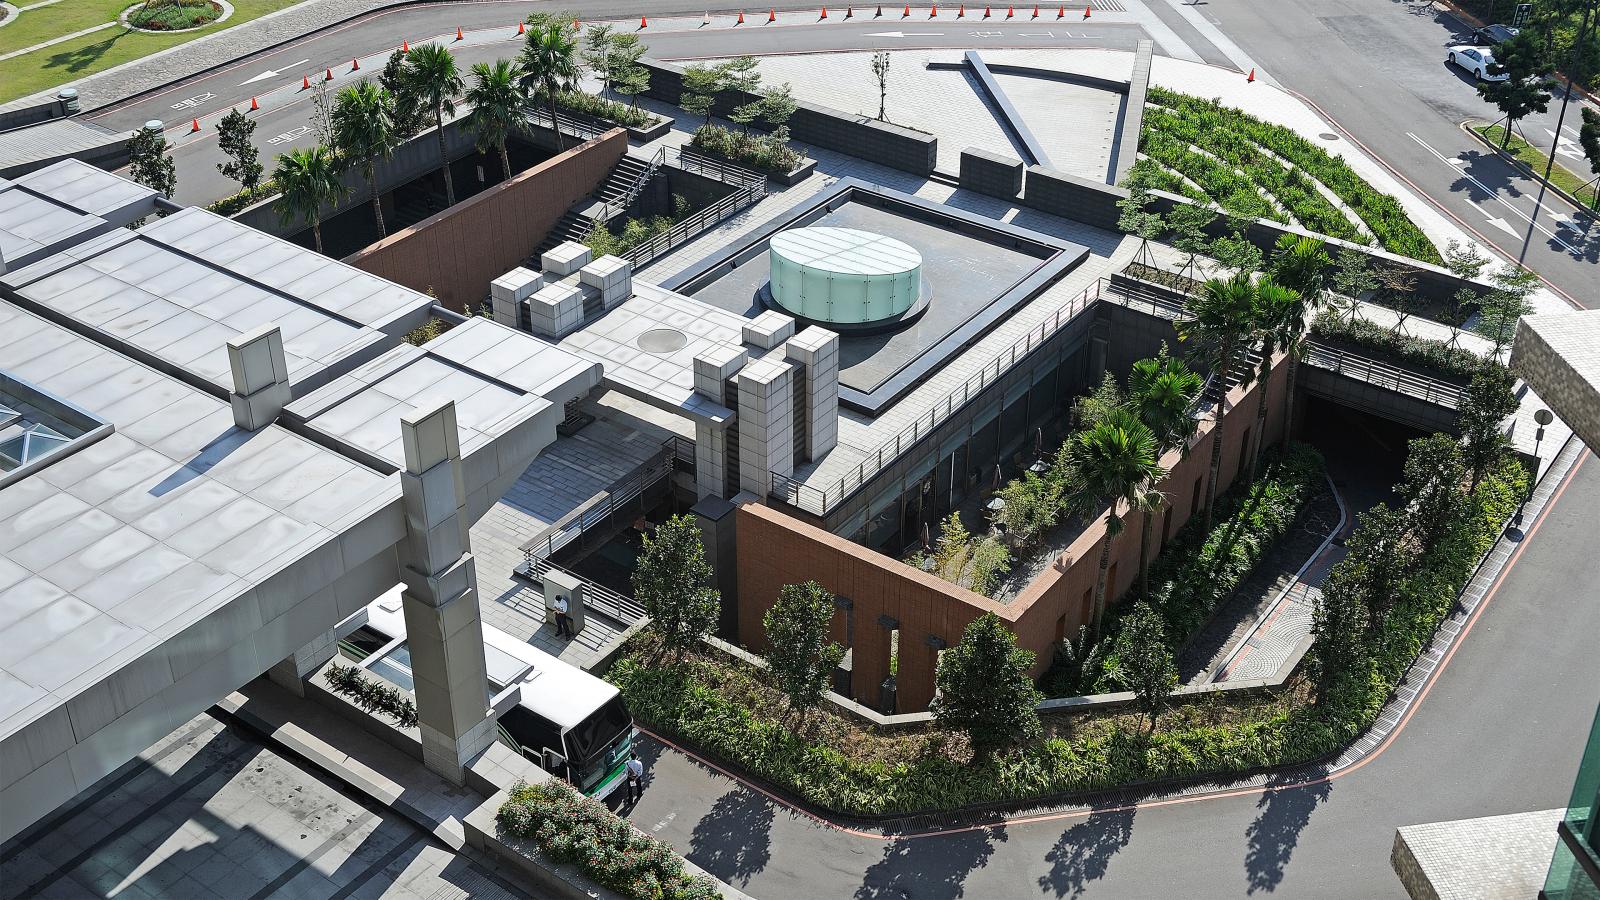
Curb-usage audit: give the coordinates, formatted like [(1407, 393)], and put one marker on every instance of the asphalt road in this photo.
[(1500, 731), (1377, 67)]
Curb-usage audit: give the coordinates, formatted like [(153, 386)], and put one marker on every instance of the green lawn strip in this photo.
[(71, 60), (39, 25), (1536, 159), (724, 710), (1382, 214)]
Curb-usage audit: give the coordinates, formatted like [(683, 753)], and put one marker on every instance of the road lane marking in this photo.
[(1499, 199), (270, 73)]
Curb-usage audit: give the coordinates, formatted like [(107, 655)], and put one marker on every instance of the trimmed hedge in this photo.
[(605, 108), (572, 828), (677, 699), (768, 153), (372, 695), (1197, 572), (1434, 358)]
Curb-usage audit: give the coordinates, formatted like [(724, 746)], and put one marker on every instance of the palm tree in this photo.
[(1276, 309), (1111, 463), (1162, 390), (499, 106), (549, 64), (431, 72), (1302, 265), (308, 180), (363, 130), (1220, 317)]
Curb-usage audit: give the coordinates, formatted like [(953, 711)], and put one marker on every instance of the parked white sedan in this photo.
[(1476, 60)]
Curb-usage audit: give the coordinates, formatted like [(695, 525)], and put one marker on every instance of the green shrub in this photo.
[(1433, 357), (605, 108), (372, 695), (572, 828), (766, 152), (235, 203), (174, 15)]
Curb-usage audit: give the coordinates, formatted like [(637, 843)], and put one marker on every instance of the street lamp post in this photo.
[(1543, 417)]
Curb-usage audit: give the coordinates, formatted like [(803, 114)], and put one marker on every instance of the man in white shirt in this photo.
[(563, 621), (635, 777)]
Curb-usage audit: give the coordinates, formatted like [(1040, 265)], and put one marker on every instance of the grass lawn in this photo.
[(1562, 177), (64, 63)]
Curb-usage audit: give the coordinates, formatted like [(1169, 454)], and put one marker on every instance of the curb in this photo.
[(1583, 208)]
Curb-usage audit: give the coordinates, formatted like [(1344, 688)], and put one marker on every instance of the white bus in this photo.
[(566, 720)]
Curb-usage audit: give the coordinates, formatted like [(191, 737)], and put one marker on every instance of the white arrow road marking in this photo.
[(898, 34), (1495, 194), (269, 74), (1564, 146), (1505, 226)]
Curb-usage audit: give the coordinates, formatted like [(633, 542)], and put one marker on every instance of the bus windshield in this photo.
[(593, 734)]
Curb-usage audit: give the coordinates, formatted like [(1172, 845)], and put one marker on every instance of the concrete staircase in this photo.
[(614, 195)]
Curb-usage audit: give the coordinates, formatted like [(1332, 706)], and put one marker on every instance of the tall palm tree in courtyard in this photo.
[(363, 130), (549, 64), (431, 72), (1219, 321), (1277, 308), (1162, 390), (307, 181), (1302, 265), (499, 106), (1112, 462)]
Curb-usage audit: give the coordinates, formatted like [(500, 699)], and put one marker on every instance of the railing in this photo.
[(1440, 393), (711, 167), (621, 204), (583, 131), (597, 597), (601, 507), (746, 192), (819, 501)]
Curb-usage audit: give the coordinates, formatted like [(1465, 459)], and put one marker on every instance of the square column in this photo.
[(260, 376), (291, 673), (443, 626), (766, 423), (817, 350)]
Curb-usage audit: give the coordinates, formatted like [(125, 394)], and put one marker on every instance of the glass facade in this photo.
[(1575, 871)]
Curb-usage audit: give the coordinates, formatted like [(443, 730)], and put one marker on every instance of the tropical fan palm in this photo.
[(1162, 391), (363, 130), (1111, 463), (1301, 265), (1219, 321), (499, 106), (308, 180), (431, 72), (1280, 312), (549, 64)]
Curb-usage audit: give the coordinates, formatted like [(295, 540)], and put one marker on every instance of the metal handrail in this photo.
[(635, 188), (598, 597), (600, 507), (1401, 381), (564, 123), (819, 501), (691, 227)]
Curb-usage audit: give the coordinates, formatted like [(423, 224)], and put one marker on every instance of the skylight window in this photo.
[(35, 442)]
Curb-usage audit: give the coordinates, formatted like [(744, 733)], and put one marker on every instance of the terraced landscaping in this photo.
[(1217, 154)]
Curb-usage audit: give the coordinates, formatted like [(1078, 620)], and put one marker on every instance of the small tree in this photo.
[(1144, 663), (673, 582), (1526, 88), (1032, 505), (630, 82), (1589, 139), (410, 113), (802, 659), (1233, 250), (1499, 310), (990, 561), (1352, 277), (1464, 261), (745, 113), (1136, 218), (149, 164), (985, 690), (244, 163), (1398, 286), (700, 86), (777, 105), (1488, 401), (1188, 222), (880, 71), (622, 56), (1435, 470), (742, 73), (597, 42), (1338, 624), (952, 550)]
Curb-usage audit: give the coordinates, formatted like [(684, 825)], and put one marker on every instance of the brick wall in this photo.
[(459, 251), (885, 593)]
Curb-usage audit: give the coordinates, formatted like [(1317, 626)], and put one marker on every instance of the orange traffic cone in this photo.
[(305, 82), (405, 46), (254, 105), (1011, 11), (522, 28), (907, 13), (1061, 12), (328, 75), (935, 13), (1250, 79), (986, 12), (824, 14), (1036, 11), (1086, 10), (772, 15), (741, 18), (643, 22), (355, 65), (459, 35), (849, 12), (194, 125), (961, 12)]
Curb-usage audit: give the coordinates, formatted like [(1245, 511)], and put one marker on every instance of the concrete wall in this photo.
[(23, 112), (820, 126), (885, 593), (990, 173), (457, 252)]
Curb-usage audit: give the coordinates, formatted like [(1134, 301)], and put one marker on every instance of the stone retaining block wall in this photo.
[(990, 173)]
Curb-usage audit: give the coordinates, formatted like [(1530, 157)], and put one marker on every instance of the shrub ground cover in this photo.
[(725, 711), (175, 15), (767, 152), (1435, 358), (605, 108), (1230, 132)]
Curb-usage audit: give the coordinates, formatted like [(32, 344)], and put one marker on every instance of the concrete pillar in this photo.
[(565, 584), (817, 350), (766, 423), (716, 519), (768, 330), (440, 597), (916, 671), (260, 376), (291, 673), (509, 292), (712, 371)]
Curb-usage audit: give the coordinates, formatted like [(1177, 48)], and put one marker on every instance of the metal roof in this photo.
[(44, 211), (53, 139)]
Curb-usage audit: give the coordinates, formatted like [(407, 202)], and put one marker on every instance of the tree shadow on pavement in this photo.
[(1083, 854), (1272, 837), (734, 840), (928, 867)]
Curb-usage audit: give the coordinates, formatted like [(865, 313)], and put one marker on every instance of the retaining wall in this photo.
[(821, 126)]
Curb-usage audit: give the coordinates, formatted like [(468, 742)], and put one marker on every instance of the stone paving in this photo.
[(209, 812), (1490, 858)]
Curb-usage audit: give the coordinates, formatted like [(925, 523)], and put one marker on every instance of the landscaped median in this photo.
[(732, 713), (1578, 189)]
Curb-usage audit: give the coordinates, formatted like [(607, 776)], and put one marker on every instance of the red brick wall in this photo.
[(459, 251), (793, 551)]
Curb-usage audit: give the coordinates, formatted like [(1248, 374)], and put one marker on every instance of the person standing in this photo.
[(635, 777), (563, 621)]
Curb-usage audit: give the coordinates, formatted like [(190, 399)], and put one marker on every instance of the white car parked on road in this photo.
[(1476, 60)]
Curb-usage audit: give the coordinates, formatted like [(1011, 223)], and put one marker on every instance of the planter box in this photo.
[(787, 179), (643, 135)]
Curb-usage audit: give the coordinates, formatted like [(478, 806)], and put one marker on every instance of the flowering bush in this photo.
[(572, 828)]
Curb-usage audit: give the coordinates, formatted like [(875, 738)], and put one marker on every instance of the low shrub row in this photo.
[(1383, 214), (235, 203), (372, 695), (769, 153), (605, 108), (1196, 571), (1237, 193), (174, 15), (1435, 358), (1152, 176), (717, 709), (572, 828)]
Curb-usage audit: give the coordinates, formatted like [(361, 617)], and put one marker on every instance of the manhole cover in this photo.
[(662, 340), (1328, 136)]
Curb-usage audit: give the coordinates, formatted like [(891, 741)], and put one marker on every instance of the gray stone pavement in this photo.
[(210, 812)]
